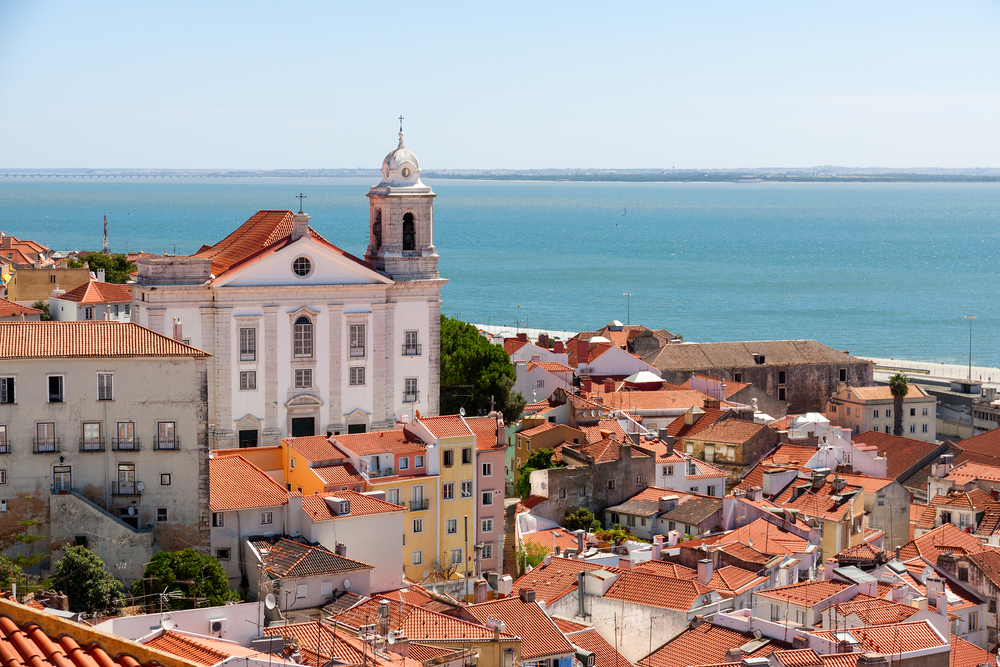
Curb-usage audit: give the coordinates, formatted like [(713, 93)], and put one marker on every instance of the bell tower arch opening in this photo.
[(409, 235)]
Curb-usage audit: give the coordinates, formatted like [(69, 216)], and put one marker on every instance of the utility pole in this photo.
[(628, 306), (970, 318)]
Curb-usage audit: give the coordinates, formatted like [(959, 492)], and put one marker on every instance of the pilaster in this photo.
[(272, 428), (392, 352), (154, 317), (224, 433), (378, 337), (336, 359), (434, 358), (207, 314)]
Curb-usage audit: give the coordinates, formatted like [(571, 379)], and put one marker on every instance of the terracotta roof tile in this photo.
[(485, 429), (864, 552), (202, 650), (761, 535), (548, 538), (731, 580), (605, 654), (706, 644), (600, 430), (287, 559), (235, 483), (840, 660), (316, 507), (666, 569), (985, 443), (884, 393), (261, 230), (397, 441), (318, 643), (565, 625), (42, 340), (873, 611), (800, 657), (94, 291), (679, 428), (654, 590), (903, 455), (540, 637), (704, 357), (11, 309), (550, 366), (552, 581), (602, 450), (656, 400), (821, 502), (967, 654), (946, 538), (418, 623), (446, 426), (892, 638), (734, 431), (342, 475), (806, 594)]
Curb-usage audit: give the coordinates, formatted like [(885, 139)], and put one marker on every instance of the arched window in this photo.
[(409, 237), (303, 337), (377, 229)]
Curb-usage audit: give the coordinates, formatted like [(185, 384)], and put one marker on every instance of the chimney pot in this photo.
[(526, 594), (704, 571)]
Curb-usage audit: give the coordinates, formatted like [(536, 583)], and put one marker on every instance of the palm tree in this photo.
[(900, 387)]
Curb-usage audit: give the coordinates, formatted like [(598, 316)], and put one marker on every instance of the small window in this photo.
[(540, 384), (165, 479), (738, 377), (449, 458), (781, 377), (843, 375), (161, 513), (303, 378), (456, 556), (56, 394), (299, 489), (710, 490), (7, 390), (3, 476), (418, 461), (404, 462), (105, 387), (410, 394), (357, 376), (302, 342), (448, 491), (248, 380), (301, 591), (923, 412), (668, 471), (466, 455), (888, 413), (452, 526), (218, 520), (410, 346), (357, 339), (887, 429), (923, 428), (248, 344), (301, 267), (222, 554), (638, 480), (562, 494), (913, 428), (418, 525), (781, 394), (487, 470), (913, 412), (52, 278), (467, 489), (266, 518), (487, 550), (874, 414), (418, 557), (409, 237), (88, 313), (881, 500), (611, 484), (291, 462), (486, 526), (487, 497)]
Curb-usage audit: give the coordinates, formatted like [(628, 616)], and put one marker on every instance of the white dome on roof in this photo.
[(599, 339), (642, 377), (401, 168)]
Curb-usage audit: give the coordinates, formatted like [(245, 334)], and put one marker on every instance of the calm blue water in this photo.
[(879, 269)]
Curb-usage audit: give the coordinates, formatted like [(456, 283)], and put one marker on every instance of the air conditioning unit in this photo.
[(217, 625), (367, 630)]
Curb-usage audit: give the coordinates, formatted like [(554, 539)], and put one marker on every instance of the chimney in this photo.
[(581, 542), (558, 550), (829, 565), (523, 337), (501, 442), (548, 559), (657, 546), (558, 347), (942, 604), (818, 479), (586, 385), (543, 341), (871, 659), (933, 585), (625, 449), (580, 593), (704, 571), (734, 655), (101, 273), (609, 386), (340, 549), (479, 592), (625, 563), (178, 334), (300, 225), (711, 403), (582, 352), (667, 503), (838, 484), (526, 595), (754, 493), (897, 552)]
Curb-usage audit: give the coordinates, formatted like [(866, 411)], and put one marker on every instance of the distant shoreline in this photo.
[(818, 175)]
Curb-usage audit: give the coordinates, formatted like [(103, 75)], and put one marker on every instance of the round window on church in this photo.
[(406, 172), (301, 266)]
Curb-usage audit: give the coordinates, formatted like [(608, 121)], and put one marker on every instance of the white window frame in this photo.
[(357, 377), (62, 387), (304, 339), (487, 552), (300, 375), (248, 380), (668, 471), (301, 591), (486, 526), (451, 526), (456, 556), (404, 462), (218, 519), (418, 525), (356, 341), (487, 498), (448, 491), (467, 490), (266, 518), (8, 390), (105, 386), (418, 461), (417, 557), (488, 469), (248, 344)]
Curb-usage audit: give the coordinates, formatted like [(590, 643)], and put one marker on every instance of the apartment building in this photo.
[(103, 438), (864, 409)]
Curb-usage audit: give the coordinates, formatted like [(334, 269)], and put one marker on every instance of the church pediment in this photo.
[(303, 400), (305, 262)]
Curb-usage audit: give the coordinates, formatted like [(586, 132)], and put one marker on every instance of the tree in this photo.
[(582, 519), (44, 307), (90, 588), (530, 553), (537, 460), (899, 386), (198, 577), (11, 573), (474, 371), (26, 537), (116, 267)]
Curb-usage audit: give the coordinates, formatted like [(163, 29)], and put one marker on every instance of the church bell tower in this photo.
[(401, 220)]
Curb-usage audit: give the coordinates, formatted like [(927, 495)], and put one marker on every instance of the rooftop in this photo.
[(891, 638), (704, 356), (446, 426), (285, 558), (552, 581), (361, 505), (45, 340), (807, 593), (707, 644), (730, 431), (95, 291), (654, 590), (540, 637), (235, 484), (12, 309), (396, 441), (418, 623), (589, 639)]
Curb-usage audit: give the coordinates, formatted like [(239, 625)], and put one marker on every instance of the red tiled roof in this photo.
[(892, 638), (314, 448), (288, 559), (860, 552), (597, 432), (550, 366), (94, 291), (539, 635), (867, 482), (605, 654), (762, 536), (884, 392), (10, 309), (602, 451), (361, 505), (967, 654), (821, 502), (512, 345), (733, 431), (902, 454), (319, 642), (262, 229), (968, 471), (203, 651), (418, 623), (840, 660), (985, 443), (567, 626), (654, 590), (542, 428), (235, 483), (397, 441), (666, 569), (800, 657), (343, 475), (874, 611), (707, 644), (731, 580), (807, 593), (679, 428), (446, 426), (485, 429), (946, 538), (552, 581), (561, 538), (43, 340), (656, 400)]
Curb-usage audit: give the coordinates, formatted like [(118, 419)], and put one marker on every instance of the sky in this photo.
[(511, 85)]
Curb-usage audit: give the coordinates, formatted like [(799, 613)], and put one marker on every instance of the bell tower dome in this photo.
[(401, 220)]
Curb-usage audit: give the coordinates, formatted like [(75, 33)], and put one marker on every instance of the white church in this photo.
[(305, 338)]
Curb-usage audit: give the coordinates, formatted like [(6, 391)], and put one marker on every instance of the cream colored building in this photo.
[(103, 439), (864, 409), (307, 339)]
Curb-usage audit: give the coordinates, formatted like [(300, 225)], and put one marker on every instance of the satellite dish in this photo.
[(461, 411), (391, 637), (269, 601), (131, 511), (347, 584), (140, 486), (928, 572), (166, 622)]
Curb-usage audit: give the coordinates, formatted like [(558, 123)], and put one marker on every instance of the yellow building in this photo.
[(31, 284)]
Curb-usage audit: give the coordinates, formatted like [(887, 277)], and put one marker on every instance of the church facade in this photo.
[(307, 339)]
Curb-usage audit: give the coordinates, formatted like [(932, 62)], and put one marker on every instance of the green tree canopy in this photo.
[(90, 588), (116, 267), (44, 307), (537, 460), (582, 519), (899, 386), (473, 370), (195, 575)]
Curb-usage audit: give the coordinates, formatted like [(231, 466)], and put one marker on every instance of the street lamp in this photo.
[(970, 318), (628, 307)]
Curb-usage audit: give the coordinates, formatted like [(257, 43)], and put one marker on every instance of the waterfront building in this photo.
[(103, 439), (870, 409), (93, 300), (307, 339)]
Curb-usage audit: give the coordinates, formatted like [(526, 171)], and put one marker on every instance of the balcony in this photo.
[(166, 444), (126, 488), (45, 445), (385, 472), (411, 396), (125, 444), (4, 447), (91, 444), (412, 350), (419, 505)]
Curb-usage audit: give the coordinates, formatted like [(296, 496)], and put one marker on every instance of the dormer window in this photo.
[(344, 507)]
